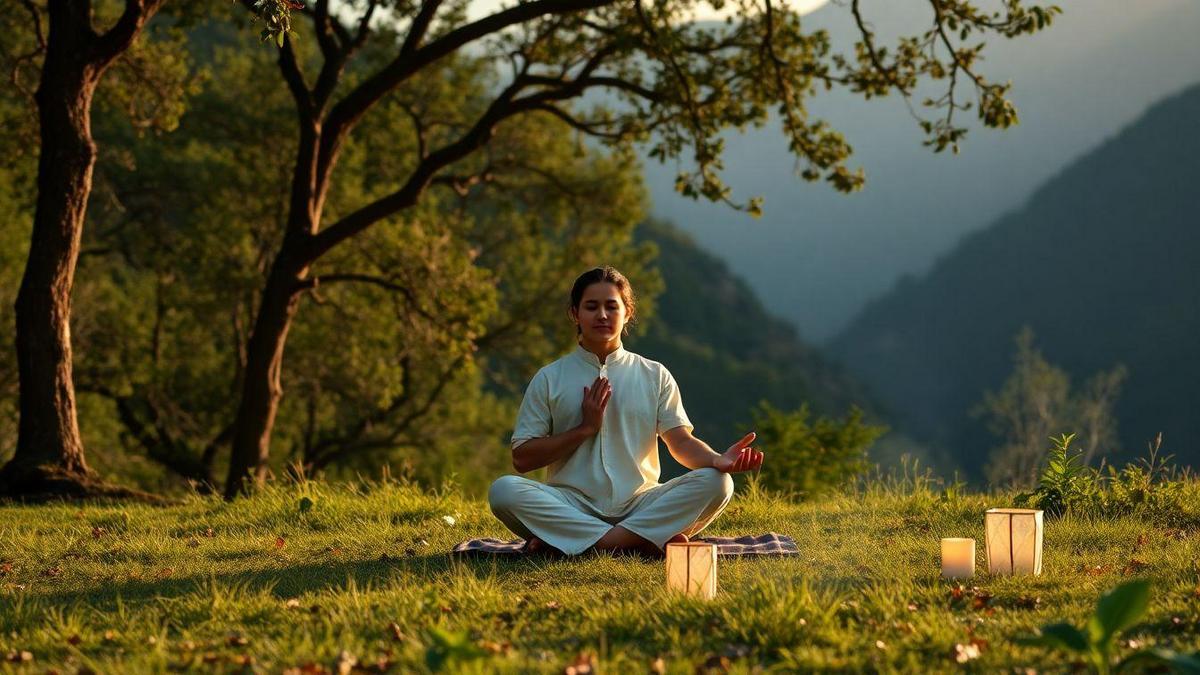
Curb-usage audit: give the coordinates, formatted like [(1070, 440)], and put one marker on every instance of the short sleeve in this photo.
[(533, 417), (670, 404)]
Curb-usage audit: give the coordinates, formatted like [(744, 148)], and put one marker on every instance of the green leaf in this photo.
[(279, 39), (1172, 660), (1119, 609), (1059, 636)]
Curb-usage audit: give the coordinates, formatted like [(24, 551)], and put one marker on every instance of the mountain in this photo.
[(1103, 263), (726, 351), (817, 257)]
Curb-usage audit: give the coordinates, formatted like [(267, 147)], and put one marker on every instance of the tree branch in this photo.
[(346, 112), (113, 43)]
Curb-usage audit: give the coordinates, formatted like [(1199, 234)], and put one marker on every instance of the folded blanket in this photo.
[(769, 544)]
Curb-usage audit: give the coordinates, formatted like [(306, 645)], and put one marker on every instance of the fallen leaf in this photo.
[(553, 605), (345, 663), (279, 542), (397, 634), (74, 640), (658, 666), (584, 664), (715, 662), (880, 644), (964, 653), (98, 532), (1134, 566), (53, 572), (292, 603), (501, 648), (1028, 602), (982, 598), (307, 669), (22, 656), (236, 640), (449, 520), (6, 568)]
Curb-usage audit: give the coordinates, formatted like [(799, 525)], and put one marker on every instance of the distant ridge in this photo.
[(1103, 263), (725, 350)]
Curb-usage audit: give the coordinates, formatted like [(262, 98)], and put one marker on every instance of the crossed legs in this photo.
[(673, 511)]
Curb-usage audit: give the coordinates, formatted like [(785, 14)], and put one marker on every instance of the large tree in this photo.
[(669, 82), (75, 55), (418, 335)]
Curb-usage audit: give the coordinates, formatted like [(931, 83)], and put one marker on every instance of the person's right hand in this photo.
[(595, 398)]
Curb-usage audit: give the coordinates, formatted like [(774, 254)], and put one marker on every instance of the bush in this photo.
[(1152, 486), (809, 458)]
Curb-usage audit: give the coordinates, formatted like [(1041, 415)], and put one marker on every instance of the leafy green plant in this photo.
[(1066, 483), (812, 457), (1117, 611), (450, 649), (1149, 485)]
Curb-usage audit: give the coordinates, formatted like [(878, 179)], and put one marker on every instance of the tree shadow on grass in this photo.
[(292, 581)]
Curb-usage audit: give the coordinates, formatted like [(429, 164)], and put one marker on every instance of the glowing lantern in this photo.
[(1014, 541), (692, 569)]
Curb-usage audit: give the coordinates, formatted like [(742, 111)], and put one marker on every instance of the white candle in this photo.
[(958, 558)]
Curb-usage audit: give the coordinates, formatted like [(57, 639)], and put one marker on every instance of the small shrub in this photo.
[(1151, 486), (809, 458), (1066, 484)]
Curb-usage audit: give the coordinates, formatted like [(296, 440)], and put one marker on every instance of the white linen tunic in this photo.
[(611, 478), (621, 461)]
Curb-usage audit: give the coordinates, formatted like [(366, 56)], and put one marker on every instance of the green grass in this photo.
[(260, 585)]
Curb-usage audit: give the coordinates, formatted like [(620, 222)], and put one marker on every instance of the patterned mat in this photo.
[(769, 544)]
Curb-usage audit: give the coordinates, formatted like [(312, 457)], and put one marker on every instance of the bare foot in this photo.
[(655, 553), (534, 545)]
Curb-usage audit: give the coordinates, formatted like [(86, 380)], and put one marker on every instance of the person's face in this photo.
[(602, 312)]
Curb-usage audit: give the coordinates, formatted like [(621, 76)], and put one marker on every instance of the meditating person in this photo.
[(593, 418)]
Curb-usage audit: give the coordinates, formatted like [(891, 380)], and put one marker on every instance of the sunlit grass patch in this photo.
[(328, 574)]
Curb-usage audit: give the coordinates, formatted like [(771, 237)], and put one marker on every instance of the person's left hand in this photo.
[(739, 457)]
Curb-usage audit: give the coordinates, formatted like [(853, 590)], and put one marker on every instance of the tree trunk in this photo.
[(49, 461), (49, 456), (262, 389)]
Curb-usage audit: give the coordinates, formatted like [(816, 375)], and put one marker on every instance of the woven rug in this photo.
[(769, 544)]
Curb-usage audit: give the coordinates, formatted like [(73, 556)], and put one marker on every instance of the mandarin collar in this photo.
[(591, 358)]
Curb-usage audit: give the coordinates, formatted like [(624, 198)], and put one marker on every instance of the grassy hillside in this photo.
[(1101, 263), (726, 351), (263, 585)]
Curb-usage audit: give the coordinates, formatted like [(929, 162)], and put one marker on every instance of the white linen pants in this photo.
[(568, 521)]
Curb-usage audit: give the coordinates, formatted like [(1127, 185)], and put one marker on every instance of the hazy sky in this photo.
[(704, 13)]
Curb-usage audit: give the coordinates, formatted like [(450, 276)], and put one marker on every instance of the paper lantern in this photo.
[(692, 569), (1014, 541), (958, 558)]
